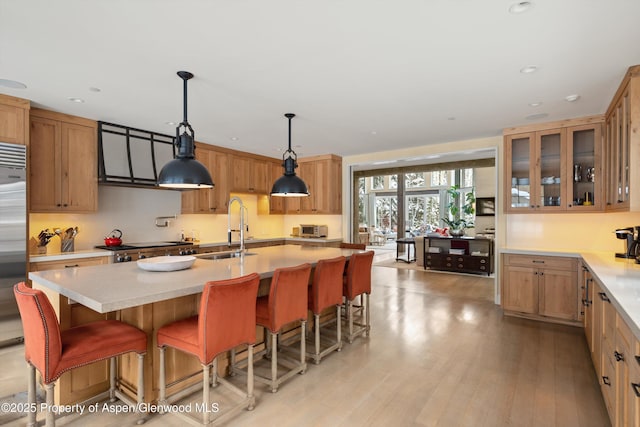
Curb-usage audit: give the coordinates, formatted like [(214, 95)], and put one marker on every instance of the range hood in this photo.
[(131, 157)]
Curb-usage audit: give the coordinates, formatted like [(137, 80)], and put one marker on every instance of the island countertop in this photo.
[(110, 287)]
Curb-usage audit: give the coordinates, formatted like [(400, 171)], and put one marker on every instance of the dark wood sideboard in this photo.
[(459, 254)]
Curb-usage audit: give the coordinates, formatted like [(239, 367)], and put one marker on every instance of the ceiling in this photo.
[(361, 75)]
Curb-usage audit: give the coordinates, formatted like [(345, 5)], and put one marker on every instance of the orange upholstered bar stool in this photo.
[(326, 291), (357, 282), (226, 320), (53, 352), (286, 303)]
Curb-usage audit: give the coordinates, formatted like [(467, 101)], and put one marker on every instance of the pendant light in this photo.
[(184, 171), (289, 185)]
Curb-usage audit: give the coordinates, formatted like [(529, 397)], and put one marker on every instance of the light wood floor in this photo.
[(440, 354)]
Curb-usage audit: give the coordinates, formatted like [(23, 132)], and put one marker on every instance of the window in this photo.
[(393, 181), (422, 210), (377, 183), (414, 180), (386, 213), (467, 178), (362, 205), (442, 178)]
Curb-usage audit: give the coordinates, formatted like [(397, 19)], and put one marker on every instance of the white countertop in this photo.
[(110, 287), (619, 277)]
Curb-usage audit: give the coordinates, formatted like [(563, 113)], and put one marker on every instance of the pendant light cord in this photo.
[(290, 116)]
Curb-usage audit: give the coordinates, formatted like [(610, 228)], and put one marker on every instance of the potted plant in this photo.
[(456, 218)]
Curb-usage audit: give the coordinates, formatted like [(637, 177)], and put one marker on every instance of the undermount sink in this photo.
[(223, 255)]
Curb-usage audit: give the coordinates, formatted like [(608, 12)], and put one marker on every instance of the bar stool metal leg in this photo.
[(112, 379), (140, 393), (162, 384), (274, 363), (31, 397), (50, 417), (205, 393)]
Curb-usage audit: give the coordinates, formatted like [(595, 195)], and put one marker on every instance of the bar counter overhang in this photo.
[(148, 300)]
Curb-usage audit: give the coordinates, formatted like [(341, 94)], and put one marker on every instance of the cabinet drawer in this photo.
[(558, 263)]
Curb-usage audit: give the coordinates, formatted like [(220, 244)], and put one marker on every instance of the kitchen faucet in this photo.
[(243, 211)]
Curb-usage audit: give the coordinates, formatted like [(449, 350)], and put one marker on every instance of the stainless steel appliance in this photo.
[(631, 236), (135, 251), (313, 230), (13, 236)]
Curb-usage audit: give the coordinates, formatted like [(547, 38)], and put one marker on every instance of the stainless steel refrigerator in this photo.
[(13, 236)]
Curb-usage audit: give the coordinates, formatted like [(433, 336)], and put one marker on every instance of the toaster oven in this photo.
[(313, 230)]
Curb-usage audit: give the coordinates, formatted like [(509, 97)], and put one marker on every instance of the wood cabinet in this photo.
[(14, 120), (541, 287), (277, 205), (323, 176), (209, 200), (615, 352), (63, 163), (554, 167), (622, 145), (586, 300), (85, 382), (250, 175), (477, 256)]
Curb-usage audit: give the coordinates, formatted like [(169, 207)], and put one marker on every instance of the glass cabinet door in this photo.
[(550, 171), (585, 178), (519, 160)]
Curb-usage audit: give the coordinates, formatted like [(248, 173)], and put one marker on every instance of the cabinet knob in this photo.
[(619, 356), (606, 381)]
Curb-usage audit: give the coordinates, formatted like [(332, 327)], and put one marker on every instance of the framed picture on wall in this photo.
[(485, 206)]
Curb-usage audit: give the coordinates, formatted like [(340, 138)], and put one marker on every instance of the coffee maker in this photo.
[(631, 237)]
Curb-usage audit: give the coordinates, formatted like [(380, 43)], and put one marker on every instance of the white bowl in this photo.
[(166, 263), (557, 180), (523, 181)]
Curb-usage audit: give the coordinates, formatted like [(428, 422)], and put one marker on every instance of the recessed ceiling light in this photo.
[(373, 132), (170, 123), (12, 84), (529, 69), (95, 89), (520, 7), (78, 100), (537, 116), (535, 104), (234, 138), (572, 98)]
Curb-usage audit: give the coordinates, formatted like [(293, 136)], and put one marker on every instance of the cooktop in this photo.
[(143, 245)]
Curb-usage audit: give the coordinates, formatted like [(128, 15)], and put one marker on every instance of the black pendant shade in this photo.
[(184, 171), (289, 185)]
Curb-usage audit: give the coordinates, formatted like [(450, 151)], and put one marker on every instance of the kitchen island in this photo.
[(149, 300)]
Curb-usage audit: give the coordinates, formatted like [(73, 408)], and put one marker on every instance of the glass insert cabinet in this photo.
[(554, 168)]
